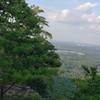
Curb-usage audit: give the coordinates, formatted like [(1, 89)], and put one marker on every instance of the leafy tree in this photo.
[(24, 45), (88, 89)]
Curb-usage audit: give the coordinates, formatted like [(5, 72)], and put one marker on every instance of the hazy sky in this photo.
[(72, 20)]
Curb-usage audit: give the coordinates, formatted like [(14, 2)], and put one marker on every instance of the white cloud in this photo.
[(98, 17), (95, 27), (65, 13), (76, 20), (72, 18), (58, 15), (80, 23), (91, 18), (86, 6)]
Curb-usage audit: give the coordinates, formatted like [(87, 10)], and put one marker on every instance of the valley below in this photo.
[(74, 55)]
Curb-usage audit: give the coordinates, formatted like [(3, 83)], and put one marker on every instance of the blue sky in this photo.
[(72, 20)]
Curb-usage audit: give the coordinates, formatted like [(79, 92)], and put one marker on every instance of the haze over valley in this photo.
[(73, 55)]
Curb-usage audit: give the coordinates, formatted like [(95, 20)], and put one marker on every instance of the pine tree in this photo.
[(24, 44)]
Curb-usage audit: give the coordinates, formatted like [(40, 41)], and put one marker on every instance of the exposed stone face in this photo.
[(18, 91)]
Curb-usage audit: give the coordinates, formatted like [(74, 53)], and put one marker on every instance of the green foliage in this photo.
[(61, 88), (90, 71), (40, 82), (34, 96), (26, 55), (22, 38), (88, 89)]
